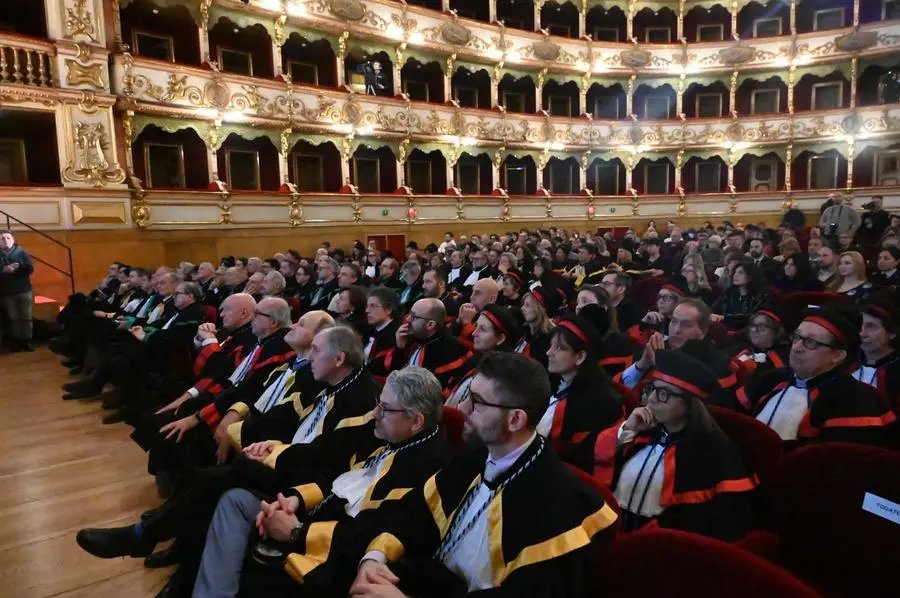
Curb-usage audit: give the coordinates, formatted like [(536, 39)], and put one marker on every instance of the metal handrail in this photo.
[(70, 274)]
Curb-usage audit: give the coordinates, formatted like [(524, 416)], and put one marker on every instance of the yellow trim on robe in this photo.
[(273, 456), (433, 500), (564, 543), (298, 405), (352, 422), (311, 494), (389, 544), (277, 372), (318, 547), (242, 409), (294, 397), (354, 464), (495, 536), (234, 435)]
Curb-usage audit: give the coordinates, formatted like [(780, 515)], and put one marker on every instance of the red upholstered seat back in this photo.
[(676, 564), (644, 291), (797, 302), (761, 448), (453, 421), (210, 315), (630, 398), (815, 500)]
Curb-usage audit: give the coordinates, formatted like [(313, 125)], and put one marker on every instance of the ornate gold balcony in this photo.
[(27, 61)]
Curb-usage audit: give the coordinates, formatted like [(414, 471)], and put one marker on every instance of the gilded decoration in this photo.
[(347, 10), (856, 41), (81, 74), (90, 163), (80, 21), (454, 33)]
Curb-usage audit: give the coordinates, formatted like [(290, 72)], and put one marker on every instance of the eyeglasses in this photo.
[(381, 407), (413, 316), (810, 343), (760, 327), (666, 297), (479, 400), (662, 394), (259, 313)]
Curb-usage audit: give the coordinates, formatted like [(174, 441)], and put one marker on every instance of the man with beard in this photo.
[(476, 524), (309, 527), (484, 292), (479, 270), (434, 286), (390, 275), (424, 341)]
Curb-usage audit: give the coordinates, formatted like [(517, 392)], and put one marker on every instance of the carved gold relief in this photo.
[(90, 163), (80, 74), (80, 21), (98, 213)]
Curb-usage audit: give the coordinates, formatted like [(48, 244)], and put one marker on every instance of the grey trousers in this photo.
[(226, 543), (18, 308)]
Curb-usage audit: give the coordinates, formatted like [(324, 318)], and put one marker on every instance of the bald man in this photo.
[(484, 293), (425, 341)]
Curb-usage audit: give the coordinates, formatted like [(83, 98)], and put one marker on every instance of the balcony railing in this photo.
[(26, 61)]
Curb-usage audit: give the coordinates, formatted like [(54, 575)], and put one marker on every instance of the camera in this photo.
[(869, 206)]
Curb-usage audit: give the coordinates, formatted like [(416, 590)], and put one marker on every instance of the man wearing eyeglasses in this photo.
[(628, 312), (666, 300), (816, 399), (344, 407), (308, 529), (425, 341), (688, 326), (480, 522)]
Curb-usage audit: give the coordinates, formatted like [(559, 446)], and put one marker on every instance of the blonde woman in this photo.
[(852, 273), (694, 272)]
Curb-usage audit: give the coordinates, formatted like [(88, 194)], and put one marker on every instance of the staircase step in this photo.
[(46, 308)]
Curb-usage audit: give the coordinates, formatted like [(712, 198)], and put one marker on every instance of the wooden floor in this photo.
[(61, 470)]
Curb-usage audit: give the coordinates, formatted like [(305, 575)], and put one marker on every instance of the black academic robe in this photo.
[(305, 293), (323, 294), (217, 361), (582, 412), (442, 354), (544, 527), (885, 378), (756, 362), (410, 294), (719, 364), (394, 282), (535, 346), (706, 486), (458, 283), (628, 314), (618, 352), (841, 409), (325, 556), (273, 353), (348, 408), (382, 352)]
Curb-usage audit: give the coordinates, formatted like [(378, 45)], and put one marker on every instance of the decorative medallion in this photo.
[(545, 50), (856, 41), (455, 34), (217, 94), (351, 112), (347, 10), (852, 123), (635, 58), (736, 54), (79, 74), (635, 134)]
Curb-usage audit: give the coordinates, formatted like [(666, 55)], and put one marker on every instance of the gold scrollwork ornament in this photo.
[(80, 21), (92, 165)]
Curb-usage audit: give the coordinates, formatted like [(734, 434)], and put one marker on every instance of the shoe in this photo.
[(163, 558), (111, 400), (113, 542), (76, 371), (115, 417), (26, 347), (82, 389), (71, 362)]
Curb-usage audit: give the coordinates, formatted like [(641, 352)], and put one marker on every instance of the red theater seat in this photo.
[(675, 564), (818, 526), (761, 448), (210, 315), (797, 302), (454, 421), (644, 291)]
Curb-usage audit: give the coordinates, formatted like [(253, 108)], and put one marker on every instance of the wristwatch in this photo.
[(294, 537)]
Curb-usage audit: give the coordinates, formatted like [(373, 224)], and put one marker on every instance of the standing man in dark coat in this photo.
[(16, 296)]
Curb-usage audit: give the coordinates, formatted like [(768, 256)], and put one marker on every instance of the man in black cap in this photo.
[(816, 399), (766, 347), (702, 487)]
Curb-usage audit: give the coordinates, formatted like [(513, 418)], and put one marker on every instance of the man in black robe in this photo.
[(266, 466), (424, 341), (383, 318), (816, 399), (506, 519), (310, 528)]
